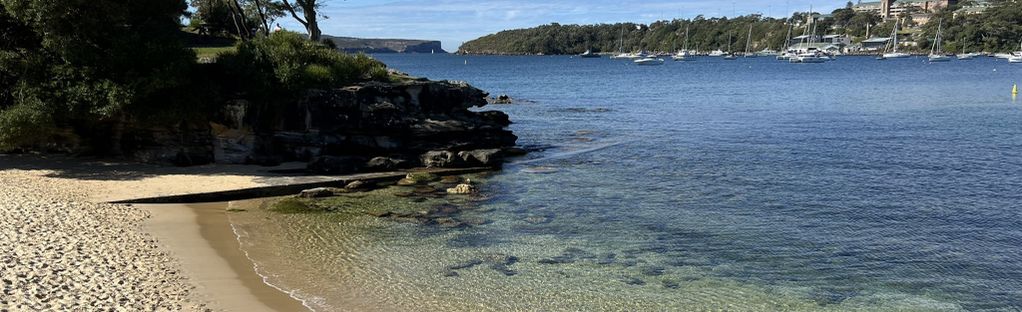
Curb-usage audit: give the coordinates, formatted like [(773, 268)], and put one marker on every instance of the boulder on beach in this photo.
[(462, 189)]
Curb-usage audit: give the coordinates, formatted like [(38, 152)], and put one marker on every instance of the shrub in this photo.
[(24, 124), (285, 62)]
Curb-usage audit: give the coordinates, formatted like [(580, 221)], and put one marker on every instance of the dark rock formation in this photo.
[(369, 127)]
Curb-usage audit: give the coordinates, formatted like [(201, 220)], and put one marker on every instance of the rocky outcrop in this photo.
[(368, 127)]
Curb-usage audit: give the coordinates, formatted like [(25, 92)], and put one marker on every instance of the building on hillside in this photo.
[(874, 44), (974, 8), (841, 40), (893, 8)]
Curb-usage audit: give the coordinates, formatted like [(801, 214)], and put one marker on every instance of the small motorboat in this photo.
[(647, 61)]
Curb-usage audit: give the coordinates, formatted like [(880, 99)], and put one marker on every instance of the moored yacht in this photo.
[(683, 55), (894, 54), (935, 50), (809, 57)]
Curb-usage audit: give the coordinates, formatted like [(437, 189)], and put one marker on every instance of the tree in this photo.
[(89, 65), (308, 9), (241, 18)]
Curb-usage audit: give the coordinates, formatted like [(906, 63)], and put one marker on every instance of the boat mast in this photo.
[(686, 38), (895, 34), (621, 44), (748, 42), (787, 39), (936, 38), (729, 42)]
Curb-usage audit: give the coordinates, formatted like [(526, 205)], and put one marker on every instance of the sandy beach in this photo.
[(66, 249)]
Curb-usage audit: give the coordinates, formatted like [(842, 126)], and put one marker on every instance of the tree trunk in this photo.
[(239, 19), (262, 16), (312, 25), (117, 135)]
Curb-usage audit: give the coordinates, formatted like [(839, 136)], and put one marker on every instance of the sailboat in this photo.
[(809, 54), (748, 44), (684, 55), (967, 56), (894, 45), (621, 47), (729, 55), (787, 54), (935, 50)]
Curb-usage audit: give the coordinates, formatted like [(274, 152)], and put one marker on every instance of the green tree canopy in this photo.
[(87, 64)]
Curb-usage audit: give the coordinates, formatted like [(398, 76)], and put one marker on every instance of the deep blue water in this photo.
[(843, 178)]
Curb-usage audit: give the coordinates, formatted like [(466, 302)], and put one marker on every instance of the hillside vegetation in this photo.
[(998, 29)]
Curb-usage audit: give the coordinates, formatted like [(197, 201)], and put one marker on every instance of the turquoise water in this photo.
[(744, 185)]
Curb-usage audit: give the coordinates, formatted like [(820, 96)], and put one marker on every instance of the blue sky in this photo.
[(456, 21)]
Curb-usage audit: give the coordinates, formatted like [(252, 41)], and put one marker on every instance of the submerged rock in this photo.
[(669, 284), (466, 264), (633, 281), (653, 271)]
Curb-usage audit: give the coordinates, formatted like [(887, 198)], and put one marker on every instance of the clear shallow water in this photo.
[(711, 185)]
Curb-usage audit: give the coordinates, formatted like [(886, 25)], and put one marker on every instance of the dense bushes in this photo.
[(82, 64), (286, 62), (88, 71)]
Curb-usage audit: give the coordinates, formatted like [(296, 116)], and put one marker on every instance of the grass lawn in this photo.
[(209, 52)]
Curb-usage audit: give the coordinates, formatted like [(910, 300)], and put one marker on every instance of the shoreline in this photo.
[(201, 236)]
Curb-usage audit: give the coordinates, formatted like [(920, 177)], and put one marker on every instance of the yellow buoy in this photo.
[(1014, 89)]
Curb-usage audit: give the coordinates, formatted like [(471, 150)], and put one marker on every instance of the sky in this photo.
[(456, 21)]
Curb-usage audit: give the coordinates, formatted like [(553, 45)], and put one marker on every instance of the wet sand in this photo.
[(202, 238)]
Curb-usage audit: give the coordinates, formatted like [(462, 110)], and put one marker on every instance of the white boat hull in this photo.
[(939, 58), (649, 62), (896, 55)]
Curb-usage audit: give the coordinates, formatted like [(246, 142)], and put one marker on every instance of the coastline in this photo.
[(202, 238)]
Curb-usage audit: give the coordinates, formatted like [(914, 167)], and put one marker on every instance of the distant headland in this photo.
[(356, 45)]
